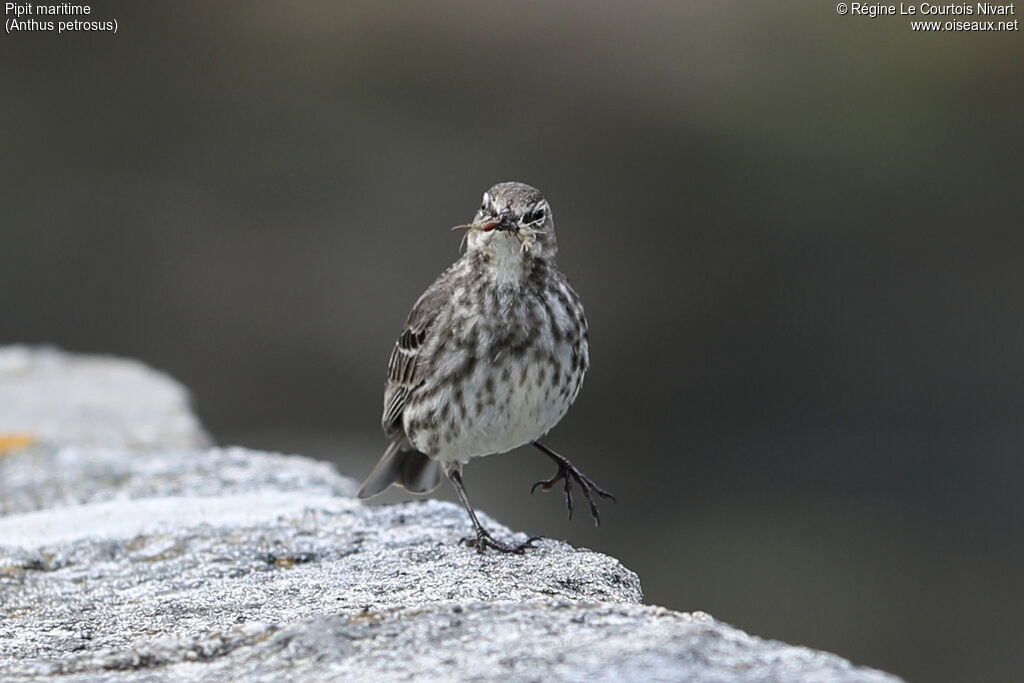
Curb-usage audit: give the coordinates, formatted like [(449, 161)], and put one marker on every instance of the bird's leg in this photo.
[(567, 473), (482, 540)]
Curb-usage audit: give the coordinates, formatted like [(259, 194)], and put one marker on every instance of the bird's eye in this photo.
[(535, 216)]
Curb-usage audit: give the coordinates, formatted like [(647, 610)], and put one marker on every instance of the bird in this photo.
[(490, 358)]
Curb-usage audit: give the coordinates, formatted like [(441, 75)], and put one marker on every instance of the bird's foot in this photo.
[(483, 540), (567, 473)]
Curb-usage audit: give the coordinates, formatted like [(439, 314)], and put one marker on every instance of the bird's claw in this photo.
[(548, 484), (483, 540), (568, 473)]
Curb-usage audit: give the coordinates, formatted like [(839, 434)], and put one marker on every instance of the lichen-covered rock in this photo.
[(60, 398), (175, 563), (39, 477)]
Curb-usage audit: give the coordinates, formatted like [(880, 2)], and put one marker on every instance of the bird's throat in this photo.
[(502, 259)]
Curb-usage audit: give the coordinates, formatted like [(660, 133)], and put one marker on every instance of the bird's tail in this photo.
[(403, 465)]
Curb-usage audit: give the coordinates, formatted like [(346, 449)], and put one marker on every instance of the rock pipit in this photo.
[(491, 357)]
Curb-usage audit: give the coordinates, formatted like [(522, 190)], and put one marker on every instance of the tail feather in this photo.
[(403, 465)]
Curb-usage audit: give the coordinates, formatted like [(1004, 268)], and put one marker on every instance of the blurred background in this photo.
[(797, 236)]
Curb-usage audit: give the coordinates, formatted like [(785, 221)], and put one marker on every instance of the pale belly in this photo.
[(522, 401)]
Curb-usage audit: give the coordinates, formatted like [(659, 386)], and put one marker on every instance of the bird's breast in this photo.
[(505, 379)]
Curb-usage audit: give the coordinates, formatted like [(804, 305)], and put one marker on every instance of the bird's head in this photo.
[(514, 220)]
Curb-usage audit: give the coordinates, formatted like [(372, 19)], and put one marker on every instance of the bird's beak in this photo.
[(504, 223)]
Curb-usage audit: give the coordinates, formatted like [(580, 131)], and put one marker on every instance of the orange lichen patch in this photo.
[(12, 442)]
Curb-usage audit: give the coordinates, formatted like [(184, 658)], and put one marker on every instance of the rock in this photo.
[(58, 398), (173, 563), (39, 478)]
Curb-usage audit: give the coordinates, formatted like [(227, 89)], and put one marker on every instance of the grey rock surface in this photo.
[(40, 477), (63, 398), (177, 563)]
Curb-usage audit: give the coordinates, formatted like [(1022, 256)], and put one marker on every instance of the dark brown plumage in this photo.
[(491, 357)]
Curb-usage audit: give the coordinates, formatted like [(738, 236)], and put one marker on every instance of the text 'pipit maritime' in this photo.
[(491, 357)]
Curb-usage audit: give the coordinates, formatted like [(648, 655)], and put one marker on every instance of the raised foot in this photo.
[(567, 473), (483, 540)]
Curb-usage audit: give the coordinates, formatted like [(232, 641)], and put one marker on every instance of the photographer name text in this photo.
[(981, 16)]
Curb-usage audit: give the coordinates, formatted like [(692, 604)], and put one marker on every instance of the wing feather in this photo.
[(406, 368)]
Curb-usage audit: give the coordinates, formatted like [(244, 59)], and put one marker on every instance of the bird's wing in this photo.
[(406, 367)]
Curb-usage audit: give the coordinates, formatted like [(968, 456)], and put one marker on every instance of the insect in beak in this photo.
[(500, 223), (485, 226)]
